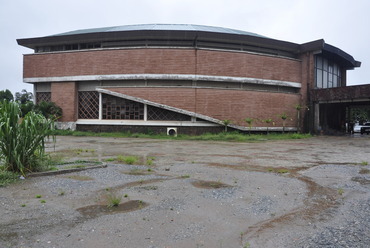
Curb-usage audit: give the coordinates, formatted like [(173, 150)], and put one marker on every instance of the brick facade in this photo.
[(234, 105), (64, 94), (162, 61)]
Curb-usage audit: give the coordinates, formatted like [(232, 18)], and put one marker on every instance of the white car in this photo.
[(357, 127)]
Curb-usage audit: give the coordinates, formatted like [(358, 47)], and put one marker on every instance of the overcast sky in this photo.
[(342, 23)]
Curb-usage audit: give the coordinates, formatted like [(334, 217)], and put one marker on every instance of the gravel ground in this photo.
[(297, 193)]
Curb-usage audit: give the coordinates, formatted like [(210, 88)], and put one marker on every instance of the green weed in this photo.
[(127, 159), (22, 143), (7, 177), (38, 196), (340, 191), (113, 200)]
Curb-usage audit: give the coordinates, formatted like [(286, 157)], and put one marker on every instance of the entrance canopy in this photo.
[(335, 108)]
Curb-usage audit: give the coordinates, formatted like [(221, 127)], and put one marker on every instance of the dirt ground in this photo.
[(292, 193)]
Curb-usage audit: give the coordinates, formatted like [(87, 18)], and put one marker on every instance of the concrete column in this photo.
[(316, 118)]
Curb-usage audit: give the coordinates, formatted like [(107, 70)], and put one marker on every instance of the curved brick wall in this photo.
[(161, 61), (235, 105)]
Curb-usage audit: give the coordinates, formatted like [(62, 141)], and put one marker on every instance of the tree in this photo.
[(226, 123), (283, 116), (23, 97), (267, 121), (6, 95), (250, 123)]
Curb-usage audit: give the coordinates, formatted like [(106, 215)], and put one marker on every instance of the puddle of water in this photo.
[(209, 184), (94, 211)]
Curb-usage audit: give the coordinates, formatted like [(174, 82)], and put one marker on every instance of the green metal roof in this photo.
[(162, 27)]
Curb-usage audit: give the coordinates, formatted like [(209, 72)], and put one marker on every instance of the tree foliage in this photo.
[(49, 110), (6, 95), (23, 97)]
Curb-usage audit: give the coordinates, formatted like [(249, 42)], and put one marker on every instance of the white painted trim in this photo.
[(191, 77), (145, 112), (100, 106)]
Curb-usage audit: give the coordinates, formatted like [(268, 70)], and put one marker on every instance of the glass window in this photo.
[(327, 73), (319, 78)]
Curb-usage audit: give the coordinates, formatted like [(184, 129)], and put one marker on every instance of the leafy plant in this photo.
[(283, 116), (113, 200), (250, 123), (267, 121), (226, 123), (22, 140), (49, 110)]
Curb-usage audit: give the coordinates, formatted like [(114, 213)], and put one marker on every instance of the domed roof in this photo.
[(162, 27)]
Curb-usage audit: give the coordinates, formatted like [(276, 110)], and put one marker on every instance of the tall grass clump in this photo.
[(22, 140)]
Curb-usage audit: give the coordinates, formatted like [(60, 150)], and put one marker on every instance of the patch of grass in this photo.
[(185, 176), (80, 178), (110, 159), (282, 171), (278, 170), (340, 191), (76, 166), (38, 196), (23, 205), (364, 163), (222, 136), (42, 201), (7, 177), (113, 200), (127, 159), (80, 150)]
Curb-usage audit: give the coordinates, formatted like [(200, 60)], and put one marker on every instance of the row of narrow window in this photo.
[(327, 73)]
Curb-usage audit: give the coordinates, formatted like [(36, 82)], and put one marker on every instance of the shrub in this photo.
[(22, 140), (48, 109)]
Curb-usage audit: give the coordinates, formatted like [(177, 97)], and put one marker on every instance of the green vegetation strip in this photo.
[(223, 136)]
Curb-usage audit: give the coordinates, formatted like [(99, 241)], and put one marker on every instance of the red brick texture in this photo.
[(161, 61), (64, 94), (234, 105)]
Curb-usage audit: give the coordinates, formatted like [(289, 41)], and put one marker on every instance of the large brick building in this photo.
[(149, 78)]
